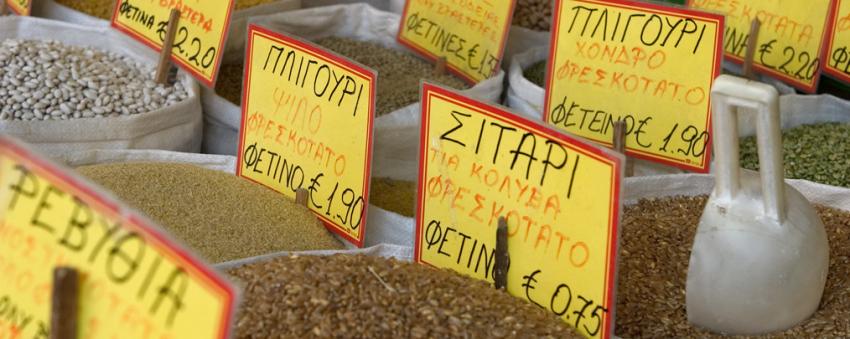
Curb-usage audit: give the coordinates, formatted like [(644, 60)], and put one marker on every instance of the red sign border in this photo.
[(830, 44), (810, 89), (718, 57), (184, 65), (338, 61), (206, 274), (498, 113), (14, 10), (455, 70)]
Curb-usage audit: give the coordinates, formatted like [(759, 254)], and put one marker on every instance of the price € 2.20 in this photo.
[(190, 47)]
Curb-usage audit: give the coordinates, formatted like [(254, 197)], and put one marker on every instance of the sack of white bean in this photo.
[(67, 87)]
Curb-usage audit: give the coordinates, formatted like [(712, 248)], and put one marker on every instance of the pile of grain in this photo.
[(371, 297), (221, 216), (536, 73), (399, 73), (533, 14), (819, 153), (656, 241), (103, 8), (397, 196), (229, 83)]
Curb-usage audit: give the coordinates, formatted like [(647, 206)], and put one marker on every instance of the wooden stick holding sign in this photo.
[(620, 145), (752, 40), (3, 6), (63, 314), (301, 196), (500, 275), (164, 66), (440, 66)]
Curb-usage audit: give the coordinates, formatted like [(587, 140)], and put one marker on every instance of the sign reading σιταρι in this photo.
[(560, 197)]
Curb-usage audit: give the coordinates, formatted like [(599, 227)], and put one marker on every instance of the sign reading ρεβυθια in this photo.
[(307, 117), (560, 197), (647, 65), (471, 35), (200, 37), (20, 7), (790, 39), (135, 281), (837, 55)]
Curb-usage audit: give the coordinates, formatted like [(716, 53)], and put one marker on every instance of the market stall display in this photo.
[(756, 248)]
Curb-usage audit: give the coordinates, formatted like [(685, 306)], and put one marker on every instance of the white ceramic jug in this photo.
[(760, 256)]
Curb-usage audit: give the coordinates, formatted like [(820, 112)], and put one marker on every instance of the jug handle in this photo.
[(728, 95)]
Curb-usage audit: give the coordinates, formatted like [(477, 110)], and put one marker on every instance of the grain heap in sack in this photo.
[(103, 8), (818, 152), (397, 196), (657, 237), (48, 80), (221, 216), (533, 14), (357, 296), (399, 73)]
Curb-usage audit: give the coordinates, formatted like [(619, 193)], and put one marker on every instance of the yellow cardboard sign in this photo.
[(838, 42), (559, 195), (135, 281), (201, 31), (790, 41), (20, 7), (471, 35), (647, 65), (307, 117)]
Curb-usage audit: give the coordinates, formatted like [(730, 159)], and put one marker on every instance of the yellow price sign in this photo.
[(200, 37), (471, 35), (838, 42), (20, 7), (559, 195), (649, 66), (790, 41), (307, 117), (135, 282)]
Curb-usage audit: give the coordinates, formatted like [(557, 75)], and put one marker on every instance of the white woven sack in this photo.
[(702, 184), (395, 6), (382, 227), (175, 127), (522, 40)]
